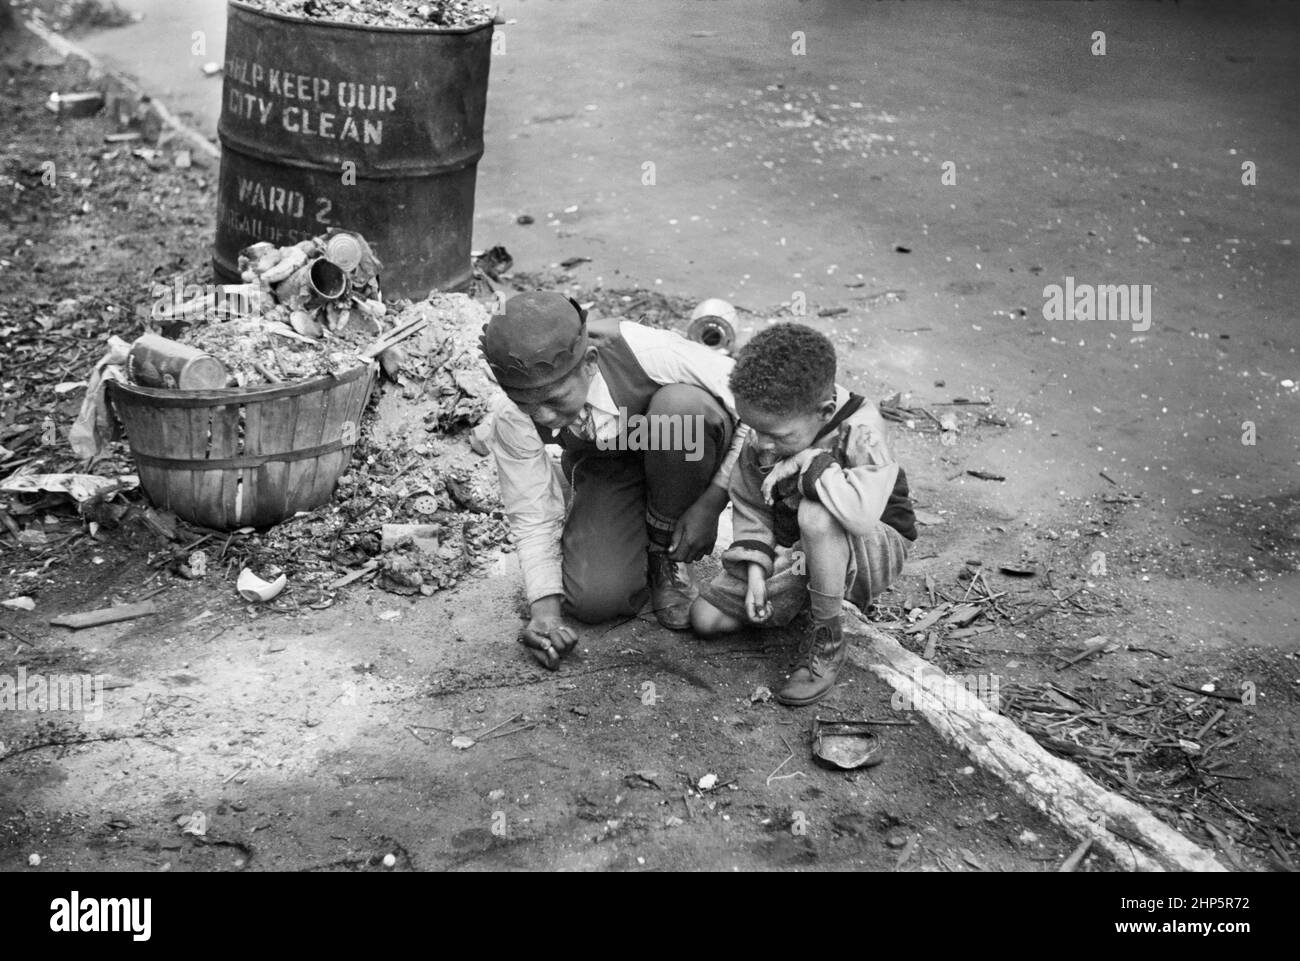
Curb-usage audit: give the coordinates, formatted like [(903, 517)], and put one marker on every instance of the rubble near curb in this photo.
[(125, 100)]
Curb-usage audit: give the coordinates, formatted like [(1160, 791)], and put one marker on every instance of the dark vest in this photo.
[(629, 385)]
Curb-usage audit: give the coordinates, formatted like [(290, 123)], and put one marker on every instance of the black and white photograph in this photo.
[(650, 436)]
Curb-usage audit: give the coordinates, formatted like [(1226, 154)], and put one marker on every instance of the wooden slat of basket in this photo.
[(323, 477), (308, 431), (225, 432), (277, 426), (161, 435), (200, 490), (217, 488)]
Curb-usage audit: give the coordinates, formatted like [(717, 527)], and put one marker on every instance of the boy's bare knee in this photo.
[(707, 620), (816, 521)]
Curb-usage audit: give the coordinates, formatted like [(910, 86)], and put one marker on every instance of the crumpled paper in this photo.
[(94, 427), (80, 487)]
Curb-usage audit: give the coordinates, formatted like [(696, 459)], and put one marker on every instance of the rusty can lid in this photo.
[(343, 250)]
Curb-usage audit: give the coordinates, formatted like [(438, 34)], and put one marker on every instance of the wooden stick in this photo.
[(395, 336), (1218, 715), (16, 636), (360, 572), (1196, 690), (107, 615), (1072, 862), (509, 720)]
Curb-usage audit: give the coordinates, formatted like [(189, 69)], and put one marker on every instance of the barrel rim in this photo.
[(226, 396), (336, 24)]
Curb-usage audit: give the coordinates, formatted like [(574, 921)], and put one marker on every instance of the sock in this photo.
[(825, 607)]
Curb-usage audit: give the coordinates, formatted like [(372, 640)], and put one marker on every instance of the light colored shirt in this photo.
[(532, 487)]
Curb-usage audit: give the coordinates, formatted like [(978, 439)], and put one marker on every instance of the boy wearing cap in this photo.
[(821, 508), (649, 434)]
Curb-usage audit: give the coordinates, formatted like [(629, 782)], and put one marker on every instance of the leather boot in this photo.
[(670, 589), (821, 654)]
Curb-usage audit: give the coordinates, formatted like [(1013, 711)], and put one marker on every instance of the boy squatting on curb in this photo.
[(636, 516), (816, 476)]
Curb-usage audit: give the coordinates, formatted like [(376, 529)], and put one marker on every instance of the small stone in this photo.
[(34, 860), (897, 840), (390, 861), (708, 782)]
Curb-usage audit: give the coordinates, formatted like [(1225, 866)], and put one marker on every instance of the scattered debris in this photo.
[(639, 779), (80, 487), (85, 103), (411, 14), (252, 588), (1018, 570)]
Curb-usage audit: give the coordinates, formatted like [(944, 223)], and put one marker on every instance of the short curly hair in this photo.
[(785, 369)]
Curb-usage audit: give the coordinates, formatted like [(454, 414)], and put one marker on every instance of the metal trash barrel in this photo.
[(372, 129)]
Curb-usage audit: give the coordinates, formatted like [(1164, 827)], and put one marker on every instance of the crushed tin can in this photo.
[(847, 745)]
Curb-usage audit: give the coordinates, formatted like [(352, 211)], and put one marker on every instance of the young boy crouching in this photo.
[(821, 509)]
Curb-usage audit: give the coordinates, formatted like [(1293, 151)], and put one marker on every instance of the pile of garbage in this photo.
[(415, 511), (309, 309), (412, 14)]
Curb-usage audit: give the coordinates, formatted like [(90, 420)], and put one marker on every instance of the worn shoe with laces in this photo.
[(821, 654), (670, 590)]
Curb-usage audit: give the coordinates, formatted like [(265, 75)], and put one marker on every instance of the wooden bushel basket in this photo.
[(244, 457)]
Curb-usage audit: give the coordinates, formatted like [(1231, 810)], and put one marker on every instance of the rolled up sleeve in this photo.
[(532, 497)]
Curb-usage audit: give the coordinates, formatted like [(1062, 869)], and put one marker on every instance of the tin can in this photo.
[(343, 249), (155, 361), (713, 325)]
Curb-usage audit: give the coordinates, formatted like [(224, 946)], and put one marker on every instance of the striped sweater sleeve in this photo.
[(753, 541)]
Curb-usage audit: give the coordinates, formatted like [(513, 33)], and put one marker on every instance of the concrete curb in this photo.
[(1130, 833), (125, 99)]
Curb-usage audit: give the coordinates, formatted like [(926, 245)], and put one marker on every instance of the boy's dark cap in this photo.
[(540, 338)]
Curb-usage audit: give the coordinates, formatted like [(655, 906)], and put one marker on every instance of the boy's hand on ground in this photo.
[(757, 609), (546, 635), (697, 529), (786, 468)]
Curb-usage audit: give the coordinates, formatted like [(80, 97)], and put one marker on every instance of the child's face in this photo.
[(558, 405), (778, 436)]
